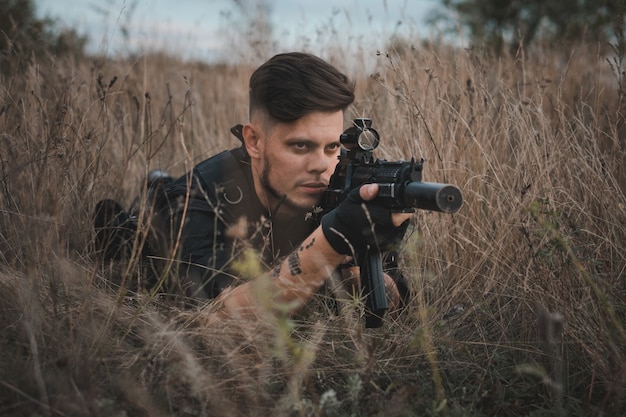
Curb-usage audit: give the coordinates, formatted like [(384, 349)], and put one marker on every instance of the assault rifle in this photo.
[(400, 188)]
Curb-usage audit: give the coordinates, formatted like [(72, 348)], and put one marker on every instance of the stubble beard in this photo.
[(283, 200)]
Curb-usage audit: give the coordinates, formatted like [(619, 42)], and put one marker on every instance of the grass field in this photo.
[(519, 299)]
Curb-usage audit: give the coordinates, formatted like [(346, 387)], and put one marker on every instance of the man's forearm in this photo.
[(289, 285), (304, 271)]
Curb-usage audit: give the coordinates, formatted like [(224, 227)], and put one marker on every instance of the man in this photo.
[(261, 198)]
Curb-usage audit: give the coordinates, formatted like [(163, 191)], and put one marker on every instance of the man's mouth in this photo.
[(314, 187)]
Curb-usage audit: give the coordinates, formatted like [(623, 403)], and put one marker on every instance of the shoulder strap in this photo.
[(237, 130), (224, 178)]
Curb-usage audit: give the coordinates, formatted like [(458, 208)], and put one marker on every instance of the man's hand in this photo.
[(369, 191), (359, 224)]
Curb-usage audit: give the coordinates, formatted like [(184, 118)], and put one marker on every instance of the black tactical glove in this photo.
[(356, 227)]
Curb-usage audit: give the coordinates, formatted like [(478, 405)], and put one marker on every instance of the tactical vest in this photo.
[(223, 177)]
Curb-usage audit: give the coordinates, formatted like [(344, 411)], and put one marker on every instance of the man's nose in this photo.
[(319, 162)]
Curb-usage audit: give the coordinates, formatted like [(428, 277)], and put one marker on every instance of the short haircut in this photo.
[(292, 85)]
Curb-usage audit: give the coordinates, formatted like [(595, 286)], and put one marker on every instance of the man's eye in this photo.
[(300, 145), (333, 147)]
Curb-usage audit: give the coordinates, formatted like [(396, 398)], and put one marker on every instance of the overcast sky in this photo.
[(198, 27)]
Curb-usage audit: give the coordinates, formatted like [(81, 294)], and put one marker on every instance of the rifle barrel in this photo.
[(433, 196)]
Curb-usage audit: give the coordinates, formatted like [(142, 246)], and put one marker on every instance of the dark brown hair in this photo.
[(292, 85)]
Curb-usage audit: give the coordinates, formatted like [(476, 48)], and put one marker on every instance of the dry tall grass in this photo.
[(519, 299)]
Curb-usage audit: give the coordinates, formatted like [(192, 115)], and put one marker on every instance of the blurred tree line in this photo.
[(519, 23), (23, 35), (495, 23)]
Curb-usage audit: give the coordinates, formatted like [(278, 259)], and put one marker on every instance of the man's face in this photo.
[(294, 161)]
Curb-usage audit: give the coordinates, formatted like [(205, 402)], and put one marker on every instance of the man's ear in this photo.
[(252, 139)]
